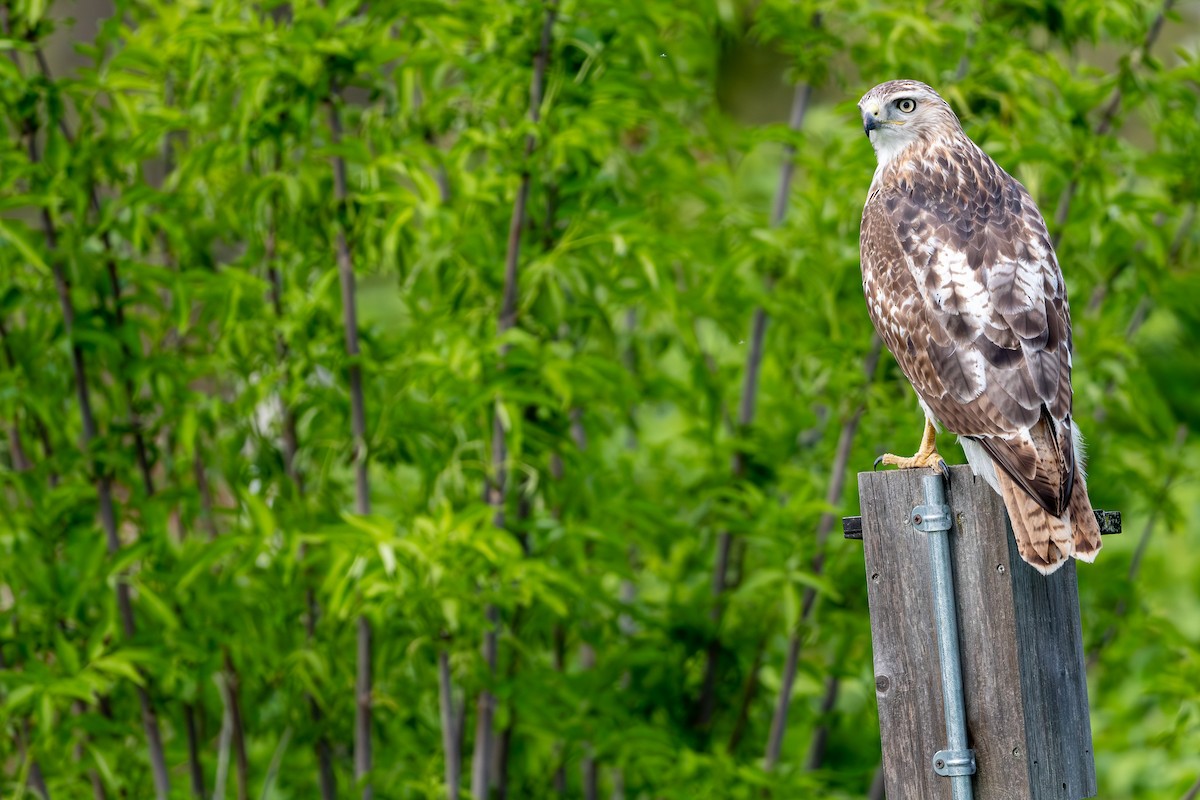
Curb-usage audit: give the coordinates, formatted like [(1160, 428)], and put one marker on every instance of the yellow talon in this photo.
[(926, 456)]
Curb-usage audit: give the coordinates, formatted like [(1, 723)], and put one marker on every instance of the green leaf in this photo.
[(16, 234)]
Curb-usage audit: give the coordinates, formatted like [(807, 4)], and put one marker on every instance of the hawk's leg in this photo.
[(927, 454)]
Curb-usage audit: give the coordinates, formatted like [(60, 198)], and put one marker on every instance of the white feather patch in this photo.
[(980, 462), (959, 290), (1080, 448), (890, 142)]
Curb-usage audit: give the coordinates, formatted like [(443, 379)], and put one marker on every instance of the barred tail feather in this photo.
[(1044, 541)]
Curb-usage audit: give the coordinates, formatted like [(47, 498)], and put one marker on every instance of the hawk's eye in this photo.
[(906, 104)]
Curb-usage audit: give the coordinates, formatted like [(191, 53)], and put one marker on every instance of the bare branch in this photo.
[(225, 740), (450, 739), (481, 763), (362, 493), (497, 486), (195, 771), (233, 690), (816, 753)]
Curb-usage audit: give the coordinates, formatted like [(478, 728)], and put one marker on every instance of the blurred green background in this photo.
[(667, 491)]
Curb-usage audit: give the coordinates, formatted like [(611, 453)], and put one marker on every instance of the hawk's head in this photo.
[(897, 113)]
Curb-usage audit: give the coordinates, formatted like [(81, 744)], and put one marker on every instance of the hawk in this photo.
[(963, 286)]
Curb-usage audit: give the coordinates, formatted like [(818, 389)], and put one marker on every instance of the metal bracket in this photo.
[(932, 518), (949, 763)]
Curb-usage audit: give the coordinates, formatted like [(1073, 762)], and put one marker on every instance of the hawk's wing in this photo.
[(963, 285)]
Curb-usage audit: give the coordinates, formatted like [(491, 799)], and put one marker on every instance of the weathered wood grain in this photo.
[(1020, 642), (1053, 681), (907, 676)]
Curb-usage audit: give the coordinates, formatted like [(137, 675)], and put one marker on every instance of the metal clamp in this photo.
[(950, 763), (932, 518)]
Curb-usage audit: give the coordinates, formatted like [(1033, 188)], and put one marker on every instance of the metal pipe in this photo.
[(956, 762)]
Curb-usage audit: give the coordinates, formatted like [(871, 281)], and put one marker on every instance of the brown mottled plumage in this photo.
[(964, 288)]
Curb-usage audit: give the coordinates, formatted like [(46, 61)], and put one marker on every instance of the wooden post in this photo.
[(1021, 649)]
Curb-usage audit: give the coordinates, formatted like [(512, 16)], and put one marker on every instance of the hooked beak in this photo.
[(871, 121)]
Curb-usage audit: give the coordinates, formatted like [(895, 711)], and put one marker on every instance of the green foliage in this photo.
[(188, 164)]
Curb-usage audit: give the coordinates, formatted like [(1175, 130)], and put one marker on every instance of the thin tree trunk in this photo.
[(497, 488), (224, 740), (362, 708), (503, 748), (587, 654), (360, 453), (195, 769), (460, 730), (749, 692), (139, 446), (147, 476), (103, 481), (782, 702), (141, 451), (450, 739), (451, 735), (327, 779), (833, 498), (485, 710), (816, 753), (589, 775), (560, 666), (504, 745), (706, 703), (34, 779), (233, 686)]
